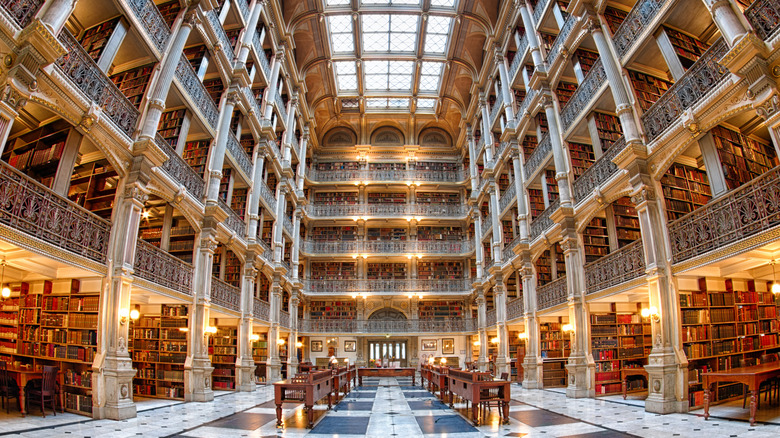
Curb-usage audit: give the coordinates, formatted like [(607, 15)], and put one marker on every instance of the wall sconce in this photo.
[(652, 313), (775, 285), (184, 329), (410, 296), (494, 340), (354, 256), (430, 360), (6, 292), (354, 296), (280, 341), (477, 343), (124, 314), (523, 336), (210, 330), (299, 344), (567, 328), (254, 337), (365, 256), (444, 361)]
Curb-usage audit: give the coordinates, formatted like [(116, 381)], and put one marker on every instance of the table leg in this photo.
[(311, 415), (753, 404), (475, 413), (451, 398), (413, 381), (360, 379), (22, 401), (278, 415), (706, 401), (624, 387), (505, 408)]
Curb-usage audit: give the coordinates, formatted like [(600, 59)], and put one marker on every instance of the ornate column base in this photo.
[(274, 370), (532, 370), (502, 366), (245, 373), (482, 363), (581, 373), (197, 381), (665, 374), (292, 366), (115, 387)]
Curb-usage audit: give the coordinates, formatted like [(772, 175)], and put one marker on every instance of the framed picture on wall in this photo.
[(316, 346), (349, 346), (429, 345), (448, 346)]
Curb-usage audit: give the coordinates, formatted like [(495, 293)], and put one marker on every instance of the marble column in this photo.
[(499, 299), (482, 362), (245, 363), (274, 365), (292, 361), (217, 157), (197, 367), (532, 363), (580, 365)]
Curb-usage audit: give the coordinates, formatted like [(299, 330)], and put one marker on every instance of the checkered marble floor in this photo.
[(387, 407)]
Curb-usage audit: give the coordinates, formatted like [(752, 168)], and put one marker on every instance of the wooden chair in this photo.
[(47, 391), (8, 388), (774, 383), (749, 362)]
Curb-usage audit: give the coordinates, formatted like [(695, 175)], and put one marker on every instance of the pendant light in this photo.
[(6, 292), (775, 285)]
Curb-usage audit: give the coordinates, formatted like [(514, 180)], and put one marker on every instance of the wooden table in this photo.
[(24, 375), (751, 376), (480, 388), (438, 379), (625, 373), (306, 388), (425, 374), (386, 372), (341, 379)]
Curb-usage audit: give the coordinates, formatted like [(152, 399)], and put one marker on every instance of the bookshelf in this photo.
[(443, 270), (263, 287), (552, 185), (541, 124), (723, 321), (224, 183), (560, 264), (519, 96), (685, 189), (170, 126), (536, 202), (438, 198), (386, 271), (214, 87), (507, 230), (595, 239), (38, 153), (648, 89), (609, 129), (547, 40), (195, 154), (516, 356), (440, 309), (232, 269), (626, 221), (333, 309), (582, 157), (437, 166), (95, 38), (614, 18), (93, 186), (339, 165), (159, 350), (132, 83), (223, 349), (689, 49), (216, 264), (564, 91), (195, 55), (554, 349), (386, 234), (529, 145), (620, 340), (169, 11), (428, 233), (260, 356), (742, 157), (386, 166), (338, 198), (238, 201), (586, 59), (543, 268), (386, 198), (332, 270), (333, 234), (503, 182)]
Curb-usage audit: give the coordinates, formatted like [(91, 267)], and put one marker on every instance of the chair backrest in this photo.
[(49, 379), (771, 357), (504, 376), (747, 362), (3, 375)]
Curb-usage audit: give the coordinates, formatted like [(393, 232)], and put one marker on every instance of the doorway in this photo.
[(392, 350)]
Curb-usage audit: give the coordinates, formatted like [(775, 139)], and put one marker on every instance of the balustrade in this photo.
[(580, 101), (244, 8), (284, 319), (701, 79), (387, 175), (22, 11), (79, 67), (35, 210), (286, 265), (261, 310), (386, 327), (558, 44), (529, 97), (764, 16), (748, 210), (543, 222), (223, 40), (254, 107), (267, 195), (496, 108), (233, 221), (515, 309), (507, 197), (643, 12), (348, 286), (487, 222), (281, 107), (389, 247), (509, 248), (515, 67), (152, 22), (287, 224), (225, 295), (239, 156), (261, 55), (539, 11), (190, 84), (598, 173), (538, 157), (160, 267), (623, 265), (180, 171), (552, 294), (490, 318), (266, 254), (392, 210)]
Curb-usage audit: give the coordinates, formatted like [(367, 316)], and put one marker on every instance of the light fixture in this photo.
[(354, 296), (567, 328), (184, 329), (477, 343), (522, 336), (281, 341), (6, 292), (365, 256), (354, 256), (210, 330), (254, 337), (123, 314), (444, 361), (775, 285), (494, 340), (299, 344), (346, 360), (430, 360), (146, 214), (409, 256), (410, 296), (419, 296), (652, 313), (135, 313)]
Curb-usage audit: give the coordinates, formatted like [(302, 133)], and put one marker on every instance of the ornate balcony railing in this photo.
[(267, 254), (267, 195), (261, 310), (490, 318), (219, 31), (239, 155), (190, 84), (623, 265), (261, 54), (552, 294), (539, 156), (515, 309), (480, 144), (79, 67), (341, 287), (634, 24), (543, 222), (539, 10), (37, 211), (598, 173), (497, 155), (529, 97), (487, 222), (387, 175), (254, 106), (294, 143), (518, 57), (160, 267), (244, 8), (225, 295), (697, 82), (507, 197), (584, 94), (557, 45), (386, 327), (180, 171), (764, 16), (281, 107), (22, 11), (389, 247), (509, 248), (487, 263), (496, 108), (152, 20), (284, 319), (275, 148), (287, 224), (392, 210), (750, 209)]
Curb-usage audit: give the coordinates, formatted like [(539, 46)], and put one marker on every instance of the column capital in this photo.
[(591, 22), (191, 19), (643, 195)]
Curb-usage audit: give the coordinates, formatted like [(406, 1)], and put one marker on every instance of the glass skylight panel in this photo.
[(388, 75), (437, 34), (425, 103), (443, 3), (387, 103), (341, 36), (430, 76), (390, 2), (338, 2), (346, 75), (389, 33)]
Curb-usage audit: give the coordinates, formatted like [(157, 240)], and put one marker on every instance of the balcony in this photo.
[(233, 222), (701, 79), (507, 197), (509, 248), (497, 105), (396, 176), (22, 11), (390, 247), (264, 66), (151, 21), (560, 41), (552, 294), (621, 266), (542, 223), (539, 157), (490, 318), (79, 67), (499, 152), (539, 11), (180, 171), (288, 226), (261, 310), (251, 102), (369, 326), (284, 319), (388, 287), (515, 67), (267, 254), (243, 7), (746, 211), (281, 108), (320, 211), (268, 196), (223, 42), (193, 87), (643, 12), (225, 295), (764, 16), (515, 309), (159, 267), (42, 215), (579, 102), (239, 157), (487, 222), (598, 173)]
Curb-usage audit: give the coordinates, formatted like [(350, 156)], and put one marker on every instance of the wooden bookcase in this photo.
[(333, 309), (552, 185), (595, 239), (223, 349), (195, 154), (614, 18), (688, 48), (386, 271), (438, 198), (519, 96), (626, 221), (340, 165), (536, 201), (685, 189), (619, 340), (507, 231), (95, 38), (214, 87), (722, 322), (195, 55), (93, 186), (516, 356), (232, 269), (169, 11), (440, 309), (428, 233), (224, 183), (586, 59), (609, 129), (554, 349), (38, 153), (387, 166), (648, 88), (333, 234), (529, 145), (564, 91), (132, 83), (332, 270), (546, 41), (582, 157), (742, 158), (238, 201), (159, 350), (260, 356), (444, 270), (386, 198), (543, 268), (170, 126), (541, 124), (386, 234), (336, 198)]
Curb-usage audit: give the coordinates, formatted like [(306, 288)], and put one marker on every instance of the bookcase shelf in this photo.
[(386, 198), (688, 48), (626, 221), (223, 349), (582, 157), (564, 91), (648, 88), (609, 129), (614, 18), (339, 165), (332, 270), (536, 201), (333, 309), (333, 234), (93, 186), (543, 268), (440, 309), (387, 271), (336, 198), (170, 126), (438, 198), (38, 153), (428, 233), (586, 59), (541, 124), (620, 340), (554, 349), (214, 87), (195, 55), (595, 239), (95, 38), (195, 154), (238, 201), (552, 185), (516, 356), (169, 11), (132, 83), (386, 166), (742, 157), (159, 350), (232, 269), (386, 234), (685, 189), (529, 145), (444, 270)]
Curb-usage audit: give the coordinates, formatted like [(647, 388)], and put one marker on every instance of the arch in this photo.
[(388, 314), (340, 136), (436, 137), (387, 136)]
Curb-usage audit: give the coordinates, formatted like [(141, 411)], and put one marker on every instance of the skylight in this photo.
[(388, 75), (430, 76), (387, 103), (341, 36), (424, 103), (338, 2), (390, 33), (439, 3), (346, 75), (391, 2), (436, 34)]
